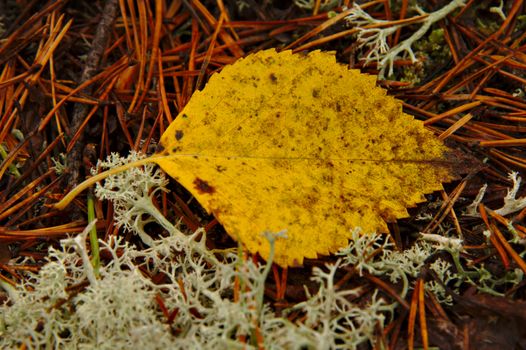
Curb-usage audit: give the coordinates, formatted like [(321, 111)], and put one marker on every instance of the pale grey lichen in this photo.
[(373, 34), (59, 163), (374, 254), (66, 306), (131, 192), (511, 205)]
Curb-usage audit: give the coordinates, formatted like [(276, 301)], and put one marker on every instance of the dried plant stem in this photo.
[(94, 179)]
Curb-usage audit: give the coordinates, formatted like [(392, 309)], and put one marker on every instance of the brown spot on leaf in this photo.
[(273, 77), (203, 187), (178, 134), (159, 148)]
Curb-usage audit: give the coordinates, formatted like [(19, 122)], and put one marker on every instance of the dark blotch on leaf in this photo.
[(273, 77), (202, 186), (178, 134)]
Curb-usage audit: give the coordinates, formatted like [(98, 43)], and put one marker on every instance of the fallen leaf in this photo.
[(300, 143)]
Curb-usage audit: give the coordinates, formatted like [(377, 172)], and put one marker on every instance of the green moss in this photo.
[(433, 53), (521, 24)]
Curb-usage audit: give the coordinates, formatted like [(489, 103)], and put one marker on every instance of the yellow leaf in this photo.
[(282, 141)]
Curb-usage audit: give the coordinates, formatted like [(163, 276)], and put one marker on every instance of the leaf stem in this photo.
[(94, 242), (64, 202)]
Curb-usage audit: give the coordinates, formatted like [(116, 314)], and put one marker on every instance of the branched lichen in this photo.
[(65, 306), (374, 38), (498, 10), (511, 205), (374, 254), (130, 192)]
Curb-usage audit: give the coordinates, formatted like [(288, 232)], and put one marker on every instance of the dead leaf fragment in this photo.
[(282, 141)]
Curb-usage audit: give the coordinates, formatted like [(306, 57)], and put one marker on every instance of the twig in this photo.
[(99, 44)]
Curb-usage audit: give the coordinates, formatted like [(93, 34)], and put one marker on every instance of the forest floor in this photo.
[(80, 80)]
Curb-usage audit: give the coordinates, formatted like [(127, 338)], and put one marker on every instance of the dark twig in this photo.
[(80, 111)]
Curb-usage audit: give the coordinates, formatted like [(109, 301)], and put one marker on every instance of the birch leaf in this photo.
[(300, 143)]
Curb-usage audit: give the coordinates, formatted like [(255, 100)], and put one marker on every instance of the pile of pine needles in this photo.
[(82, 79)]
